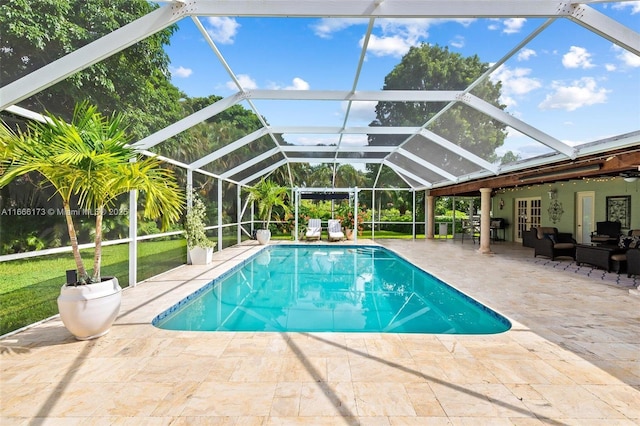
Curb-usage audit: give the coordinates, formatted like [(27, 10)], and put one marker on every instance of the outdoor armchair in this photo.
[(551, 243)]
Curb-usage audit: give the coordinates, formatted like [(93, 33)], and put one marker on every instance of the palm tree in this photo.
[(267, 195), (89, 159)]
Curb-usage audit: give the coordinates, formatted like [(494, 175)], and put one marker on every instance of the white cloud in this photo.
[(312, 140), (494, 24), (325, 27), (298, 84), (509, 26), (355, 140), (526, 54), (580, 93), (181, 72), (388, 46), (634, 5), (391, 37), (222, 30), (457, 42), (515, 82), (610, 67), (577, 57), (626, 57), (513, 25), (246, 82), (361, 112)]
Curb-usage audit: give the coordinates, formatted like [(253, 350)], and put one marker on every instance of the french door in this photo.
[(528, 215)]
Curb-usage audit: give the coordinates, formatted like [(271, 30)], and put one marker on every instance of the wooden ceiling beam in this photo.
[(610, 164)]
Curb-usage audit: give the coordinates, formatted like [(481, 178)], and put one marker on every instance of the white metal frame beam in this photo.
[(188, 122), (380, 8), (253, 161), (404, 173), (524, 128), (263, 172), (228, 148), (90, 54), (580, 13)]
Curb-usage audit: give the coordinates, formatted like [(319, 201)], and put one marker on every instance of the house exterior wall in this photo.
[(567, 197)]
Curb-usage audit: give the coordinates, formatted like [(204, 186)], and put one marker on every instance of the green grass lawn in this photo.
[(30, 287)]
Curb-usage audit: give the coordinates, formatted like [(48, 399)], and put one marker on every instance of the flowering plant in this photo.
[(345, 215)]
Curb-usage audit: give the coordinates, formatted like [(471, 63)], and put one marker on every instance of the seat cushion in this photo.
[(562, 246), (620, 257)]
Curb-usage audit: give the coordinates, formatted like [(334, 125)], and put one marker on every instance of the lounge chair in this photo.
[(335, 230), (314, 229)]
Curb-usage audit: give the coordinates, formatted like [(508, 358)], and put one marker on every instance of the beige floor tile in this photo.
[(231, 399), (424, 401), (464, 400), (385, 370), (575, 402), (571, 357), (623, 398), (383, 399), (322, 399)]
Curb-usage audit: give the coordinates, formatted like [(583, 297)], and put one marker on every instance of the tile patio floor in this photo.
[(571, 358)]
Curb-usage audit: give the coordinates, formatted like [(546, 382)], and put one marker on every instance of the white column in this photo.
[(219, 214), (239, 214), (133, 236), (430, 216), (485, 221), (413, 220), (296, 201), (356, 208)]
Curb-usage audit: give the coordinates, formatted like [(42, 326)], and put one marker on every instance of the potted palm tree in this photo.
[(267, 194), (89, 164), (199, 246)]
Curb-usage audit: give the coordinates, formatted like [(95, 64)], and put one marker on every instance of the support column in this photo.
[(296, 202), (133, 238), (485, 221), (430, 216), (220, 235)]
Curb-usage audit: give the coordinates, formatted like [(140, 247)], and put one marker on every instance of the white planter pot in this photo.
[(88, 311), (263, 236), (201, 256)]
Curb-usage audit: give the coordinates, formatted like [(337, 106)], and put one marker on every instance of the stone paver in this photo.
[(572, 357)]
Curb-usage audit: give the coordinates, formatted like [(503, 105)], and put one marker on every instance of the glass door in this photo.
[(529, 214), (585, 222)]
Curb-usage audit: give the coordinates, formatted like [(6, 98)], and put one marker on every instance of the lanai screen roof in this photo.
[(570, 76)]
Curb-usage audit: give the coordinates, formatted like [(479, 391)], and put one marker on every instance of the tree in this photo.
[(89, 159), (430, 67), (267, 194), (134, 81)]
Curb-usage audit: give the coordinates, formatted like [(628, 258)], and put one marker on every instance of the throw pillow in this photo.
[(629, 242)]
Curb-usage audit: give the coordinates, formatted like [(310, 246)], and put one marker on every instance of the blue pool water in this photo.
[(330, 288)]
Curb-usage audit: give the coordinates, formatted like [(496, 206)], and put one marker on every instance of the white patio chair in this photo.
[(335, 230), (314, 229)]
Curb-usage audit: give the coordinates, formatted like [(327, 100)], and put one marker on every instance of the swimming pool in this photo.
[(325, 288)]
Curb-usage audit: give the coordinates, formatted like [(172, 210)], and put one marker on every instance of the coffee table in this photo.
[(596, 254)]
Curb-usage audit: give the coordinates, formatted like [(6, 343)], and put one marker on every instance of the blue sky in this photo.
[(568, 82)]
